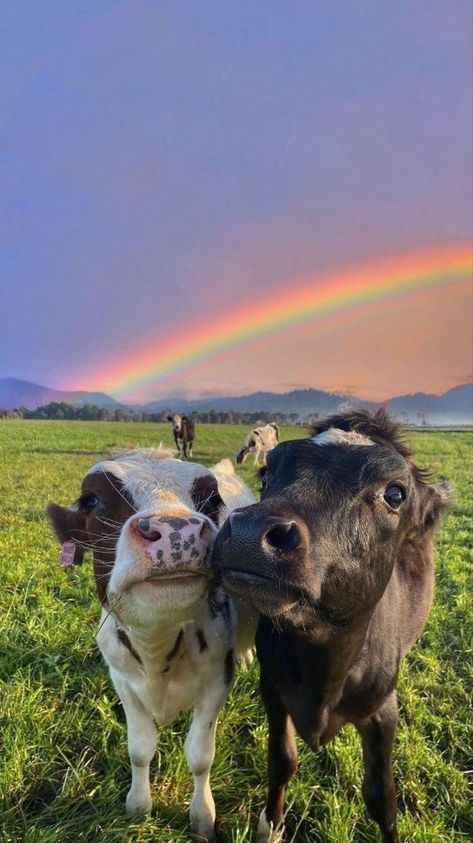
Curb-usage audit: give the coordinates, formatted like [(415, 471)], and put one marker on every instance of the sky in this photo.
[(163, 165)]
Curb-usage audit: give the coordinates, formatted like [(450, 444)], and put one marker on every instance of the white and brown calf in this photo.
[(259, 440), (168, 633)]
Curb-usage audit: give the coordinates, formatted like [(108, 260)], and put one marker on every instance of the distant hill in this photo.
[(301, 401), (453, 407), (19, 393)]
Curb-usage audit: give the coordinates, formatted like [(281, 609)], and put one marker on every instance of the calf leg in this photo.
[(282, 761), (377, 735), (200, 752), (141, 735)]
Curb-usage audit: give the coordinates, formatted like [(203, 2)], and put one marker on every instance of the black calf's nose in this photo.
[(284, 536)]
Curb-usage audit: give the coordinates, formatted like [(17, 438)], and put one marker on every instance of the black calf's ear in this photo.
[(436, 501), (69, 526)]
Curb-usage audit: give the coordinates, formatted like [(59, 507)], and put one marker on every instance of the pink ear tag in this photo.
[(68, 552)]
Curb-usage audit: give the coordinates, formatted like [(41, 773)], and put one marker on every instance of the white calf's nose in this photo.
[(146, 530), (175, 539)]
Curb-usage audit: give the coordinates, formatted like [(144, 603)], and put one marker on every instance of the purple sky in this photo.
[(161, 161)]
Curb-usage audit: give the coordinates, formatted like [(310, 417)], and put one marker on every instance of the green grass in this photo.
[(64, 770)]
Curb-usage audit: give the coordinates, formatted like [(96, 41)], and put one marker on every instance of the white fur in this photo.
[(232, 489), (335, 436), (266, 833)]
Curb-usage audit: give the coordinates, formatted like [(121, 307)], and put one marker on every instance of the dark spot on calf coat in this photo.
[(202, 642), (206, 497), (229, 667), (177, 524), (123, 637), (173, 653)]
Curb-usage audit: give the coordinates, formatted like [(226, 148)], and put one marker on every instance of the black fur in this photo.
[(343, 582)]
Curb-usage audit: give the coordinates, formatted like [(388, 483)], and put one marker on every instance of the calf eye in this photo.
[(88, 502), (394, 496)]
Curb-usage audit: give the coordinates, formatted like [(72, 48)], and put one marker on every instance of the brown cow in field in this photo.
[(183, 429)]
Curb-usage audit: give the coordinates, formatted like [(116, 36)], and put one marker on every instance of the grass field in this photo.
[(64, 769)]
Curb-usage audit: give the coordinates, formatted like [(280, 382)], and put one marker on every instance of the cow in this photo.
[(259, 440), (169, 635), (183, 429), (338, 559)]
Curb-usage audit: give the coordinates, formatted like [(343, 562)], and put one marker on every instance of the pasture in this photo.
[(64, 768)]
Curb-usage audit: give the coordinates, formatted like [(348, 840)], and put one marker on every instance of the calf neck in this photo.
[(337, 558)]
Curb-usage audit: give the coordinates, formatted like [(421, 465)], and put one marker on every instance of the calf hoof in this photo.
[(138, 803), (203, 826), (266, 832), (390, 835), (202, 833)]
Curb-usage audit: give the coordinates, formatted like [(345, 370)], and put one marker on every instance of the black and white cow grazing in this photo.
[(183, 429), (168, 633), (337, 558), (259, 440)]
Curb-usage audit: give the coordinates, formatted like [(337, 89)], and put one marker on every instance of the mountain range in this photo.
[(19, 393), (453, 407)]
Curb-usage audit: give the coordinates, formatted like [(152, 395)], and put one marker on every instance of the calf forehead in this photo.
[(346, 464), (147, 482)]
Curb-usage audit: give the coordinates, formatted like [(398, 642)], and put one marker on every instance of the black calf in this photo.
[(337, 558)]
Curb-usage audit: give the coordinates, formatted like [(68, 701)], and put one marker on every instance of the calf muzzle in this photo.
[(254, 541), (174, 541)]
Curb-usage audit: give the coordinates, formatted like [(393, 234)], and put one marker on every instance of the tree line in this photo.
[(92, 412)]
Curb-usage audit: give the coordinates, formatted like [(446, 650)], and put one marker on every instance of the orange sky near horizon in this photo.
[(420, 342)]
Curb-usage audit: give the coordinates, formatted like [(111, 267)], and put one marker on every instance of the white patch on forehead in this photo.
[(123, 460), (335, 436), (151, 478), (108, 467)]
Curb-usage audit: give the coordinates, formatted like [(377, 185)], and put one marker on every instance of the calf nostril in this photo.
[(146, 530), (284, 536), (204, 530)]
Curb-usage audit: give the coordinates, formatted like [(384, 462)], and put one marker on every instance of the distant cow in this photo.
[(337, 558), (183, 429), (259, 440), (168, 633)]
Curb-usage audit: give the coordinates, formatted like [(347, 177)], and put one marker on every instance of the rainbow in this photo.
[(314, 299)]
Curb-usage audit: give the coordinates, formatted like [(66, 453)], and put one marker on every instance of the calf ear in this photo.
[(435, 502), (69, 526)]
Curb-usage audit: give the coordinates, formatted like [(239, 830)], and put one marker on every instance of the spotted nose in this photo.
[(175, 541)]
